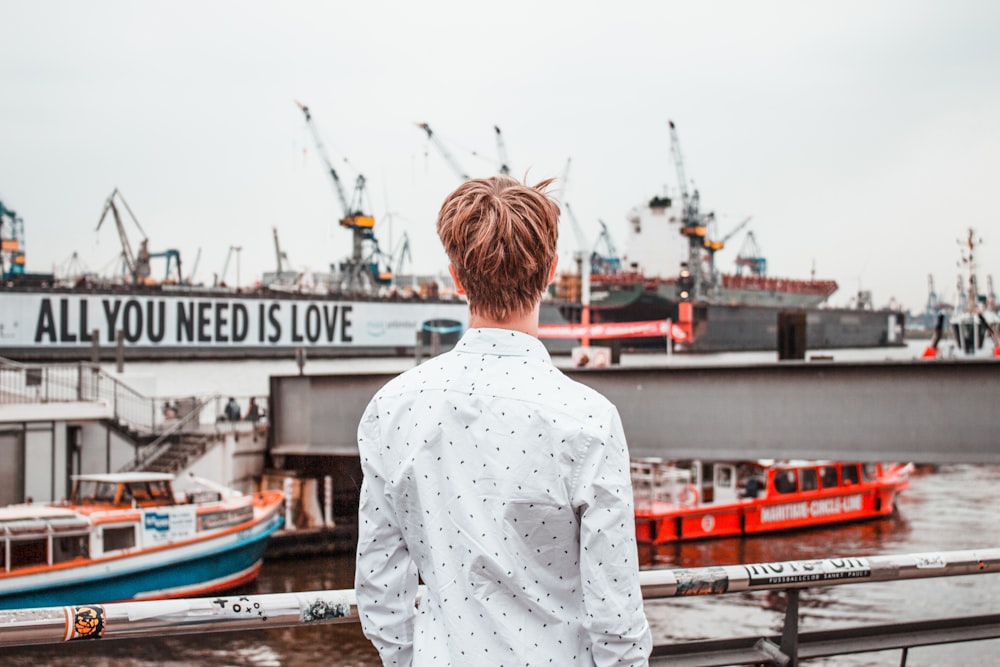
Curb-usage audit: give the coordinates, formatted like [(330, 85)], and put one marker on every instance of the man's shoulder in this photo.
[(574, 390), (423, 376)]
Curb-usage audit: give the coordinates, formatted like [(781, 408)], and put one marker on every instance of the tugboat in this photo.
[(976, 321)]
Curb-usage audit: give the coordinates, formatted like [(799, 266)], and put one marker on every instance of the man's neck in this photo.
[(526, 323)]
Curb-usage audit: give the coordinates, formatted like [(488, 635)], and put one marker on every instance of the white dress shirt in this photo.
[(505, 486)]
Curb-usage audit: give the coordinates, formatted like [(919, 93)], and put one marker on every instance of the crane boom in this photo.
[(136, 264), (402, 254), (457, 168), (694, 226), (321, 149), (502, 152), (280, 255)]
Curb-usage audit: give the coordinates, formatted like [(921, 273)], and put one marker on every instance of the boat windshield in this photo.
[(147, 491), (88, 490)]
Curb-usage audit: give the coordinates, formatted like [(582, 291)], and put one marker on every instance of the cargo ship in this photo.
[(668, 271)]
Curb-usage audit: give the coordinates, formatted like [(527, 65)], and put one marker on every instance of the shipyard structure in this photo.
[(366, 306)]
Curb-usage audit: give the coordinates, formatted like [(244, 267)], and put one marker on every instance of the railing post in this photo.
[(289, 524), (328, 501), (790, 633), (120, 351)]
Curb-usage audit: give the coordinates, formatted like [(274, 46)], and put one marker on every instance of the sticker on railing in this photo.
[(930, 561), (797, 571), (703, 581), (87, 622)]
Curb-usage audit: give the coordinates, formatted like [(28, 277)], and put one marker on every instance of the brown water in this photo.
[(952, 508)]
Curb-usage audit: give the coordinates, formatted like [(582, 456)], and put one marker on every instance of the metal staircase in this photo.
[(163, 445)]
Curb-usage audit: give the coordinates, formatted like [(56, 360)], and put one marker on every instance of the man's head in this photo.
[(500, 236)]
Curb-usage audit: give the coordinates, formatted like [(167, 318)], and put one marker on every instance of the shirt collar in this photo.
[(502, 342)]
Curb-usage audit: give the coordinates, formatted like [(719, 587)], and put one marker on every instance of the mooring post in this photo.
[(289, 524), (435, 343), (328, 502)]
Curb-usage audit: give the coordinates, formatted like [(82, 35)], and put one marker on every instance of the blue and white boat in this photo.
[(124, 536)]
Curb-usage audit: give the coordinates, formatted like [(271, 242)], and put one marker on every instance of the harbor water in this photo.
[(948, 508)]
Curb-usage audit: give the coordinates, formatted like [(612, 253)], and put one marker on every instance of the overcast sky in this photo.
[(861, 136)]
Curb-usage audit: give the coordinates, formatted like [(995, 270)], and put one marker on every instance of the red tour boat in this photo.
[(694, 499)]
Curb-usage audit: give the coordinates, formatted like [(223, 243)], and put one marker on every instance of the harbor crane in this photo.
[(581, 242), (194, 268), (360, 271), (462, 174), (445, 153), (402, 254), (280, 254), (220, 280), (694, 226), (502, 152), (713, 247), (137, 262), (750, 257), (600, 263), (12, 244), (608, 262)]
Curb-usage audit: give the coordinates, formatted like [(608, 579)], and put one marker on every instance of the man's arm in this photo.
[(609, 562), (385, 580)]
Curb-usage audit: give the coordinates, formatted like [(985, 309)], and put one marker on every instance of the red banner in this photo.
[(613, 330)]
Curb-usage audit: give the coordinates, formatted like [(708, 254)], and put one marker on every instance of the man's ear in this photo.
[(454, 276), (552, 270)]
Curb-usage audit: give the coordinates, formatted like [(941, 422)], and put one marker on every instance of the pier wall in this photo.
[(926, 412)]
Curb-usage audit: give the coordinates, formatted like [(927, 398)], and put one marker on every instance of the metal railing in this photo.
[(51, 625), (22, 383)]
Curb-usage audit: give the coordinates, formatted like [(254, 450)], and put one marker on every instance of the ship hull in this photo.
[(718, 327)]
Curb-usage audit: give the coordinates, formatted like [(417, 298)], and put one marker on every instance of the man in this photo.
[(494, 478), (232, 410)]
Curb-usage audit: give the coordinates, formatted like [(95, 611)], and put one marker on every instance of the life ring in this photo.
[(688, 495)]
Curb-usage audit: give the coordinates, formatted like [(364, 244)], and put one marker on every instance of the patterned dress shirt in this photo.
[(505, 487)]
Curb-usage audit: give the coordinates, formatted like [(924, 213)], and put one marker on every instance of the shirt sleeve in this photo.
[(609, 560), (385, 579)]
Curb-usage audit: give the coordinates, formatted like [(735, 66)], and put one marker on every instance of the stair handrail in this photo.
[(161, 444), (78, 382)]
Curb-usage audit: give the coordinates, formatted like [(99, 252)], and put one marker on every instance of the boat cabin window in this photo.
[(808, 479), (70, 547), (25, 553), (784, 481), (828, 474), (849, 473), (88, 490), (869, 472), (144, 492), (118, 538)]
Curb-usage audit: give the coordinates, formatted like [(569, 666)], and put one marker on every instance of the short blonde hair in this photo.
[(500, 235)]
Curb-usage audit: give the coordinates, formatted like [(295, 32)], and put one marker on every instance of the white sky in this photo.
[(861, 136)]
